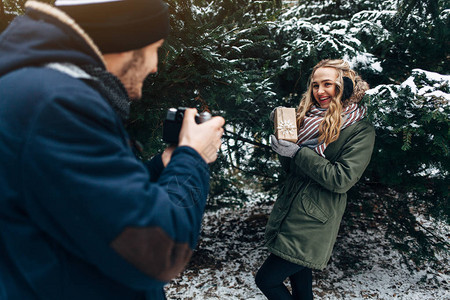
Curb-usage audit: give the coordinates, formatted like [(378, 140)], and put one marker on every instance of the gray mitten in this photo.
[(284, 148)]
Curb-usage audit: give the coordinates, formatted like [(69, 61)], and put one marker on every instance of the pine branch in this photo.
[(253, 172), (240, 138), (434, 235)]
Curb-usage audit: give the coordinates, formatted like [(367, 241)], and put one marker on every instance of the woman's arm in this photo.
[(285, 162), (340, 176)]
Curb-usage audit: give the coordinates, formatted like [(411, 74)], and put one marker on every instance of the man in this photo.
[(80, 216)]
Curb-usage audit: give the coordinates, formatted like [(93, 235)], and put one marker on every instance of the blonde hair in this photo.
[(330, 127)]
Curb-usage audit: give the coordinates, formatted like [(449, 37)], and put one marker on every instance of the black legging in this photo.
[(275, 270)]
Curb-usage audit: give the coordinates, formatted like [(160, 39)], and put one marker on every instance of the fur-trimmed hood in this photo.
[(28, 41)]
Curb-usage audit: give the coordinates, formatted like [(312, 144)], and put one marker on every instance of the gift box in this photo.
[(285, 124)]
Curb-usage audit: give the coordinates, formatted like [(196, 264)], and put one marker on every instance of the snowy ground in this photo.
[(363, 265)]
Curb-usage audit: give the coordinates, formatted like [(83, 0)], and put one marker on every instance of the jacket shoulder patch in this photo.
[(152, 251)]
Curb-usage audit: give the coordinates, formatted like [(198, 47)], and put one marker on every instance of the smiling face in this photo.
[(324, 86)]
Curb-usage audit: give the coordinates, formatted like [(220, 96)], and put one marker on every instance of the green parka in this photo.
[(305, 219)]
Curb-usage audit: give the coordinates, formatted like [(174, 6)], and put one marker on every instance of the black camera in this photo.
[(174, 120)]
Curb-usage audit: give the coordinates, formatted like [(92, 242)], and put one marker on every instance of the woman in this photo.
[(334, 147)]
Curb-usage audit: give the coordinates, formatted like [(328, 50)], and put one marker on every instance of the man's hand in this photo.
[(284, 148), (205, 138)]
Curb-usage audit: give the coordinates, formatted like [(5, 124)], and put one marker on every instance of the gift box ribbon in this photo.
[(286, 127)]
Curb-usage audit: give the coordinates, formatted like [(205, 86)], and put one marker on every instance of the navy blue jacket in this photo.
[(80, 216)]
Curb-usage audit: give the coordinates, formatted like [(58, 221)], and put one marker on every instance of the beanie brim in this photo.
[(122, 25)]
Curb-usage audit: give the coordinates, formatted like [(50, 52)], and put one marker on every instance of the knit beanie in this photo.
[(119, 25)]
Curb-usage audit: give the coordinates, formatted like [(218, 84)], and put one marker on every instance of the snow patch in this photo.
[(232, 250)]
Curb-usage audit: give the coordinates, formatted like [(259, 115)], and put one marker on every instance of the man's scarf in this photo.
[(308, 135), (111, 88), (103, 81)]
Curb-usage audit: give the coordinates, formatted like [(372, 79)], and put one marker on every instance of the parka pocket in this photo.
[(313, 210)]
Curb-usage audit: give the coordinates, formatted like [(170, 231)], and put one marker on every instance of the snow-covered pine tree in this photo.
[(242, 58), (412, 157), (218, 57)]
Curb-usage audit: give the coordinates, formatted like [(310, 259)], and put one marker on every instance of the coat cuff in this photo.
[(192, 153)]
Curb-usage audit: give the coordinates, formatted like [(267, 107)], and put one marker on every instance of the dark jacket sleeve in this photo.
[(341, 175), (285, 163), (85, 189), (155, 167)]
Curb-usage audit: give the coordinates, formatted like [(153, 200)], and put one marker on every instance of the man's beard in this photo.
[(130, 75)]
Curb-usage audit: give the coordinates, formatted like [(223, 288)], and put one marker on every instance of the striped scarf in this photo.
[(308, 135)]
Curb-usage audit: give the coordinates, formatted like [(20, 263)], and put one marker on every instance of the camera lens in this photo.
[(180, 116), (203, 117)]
